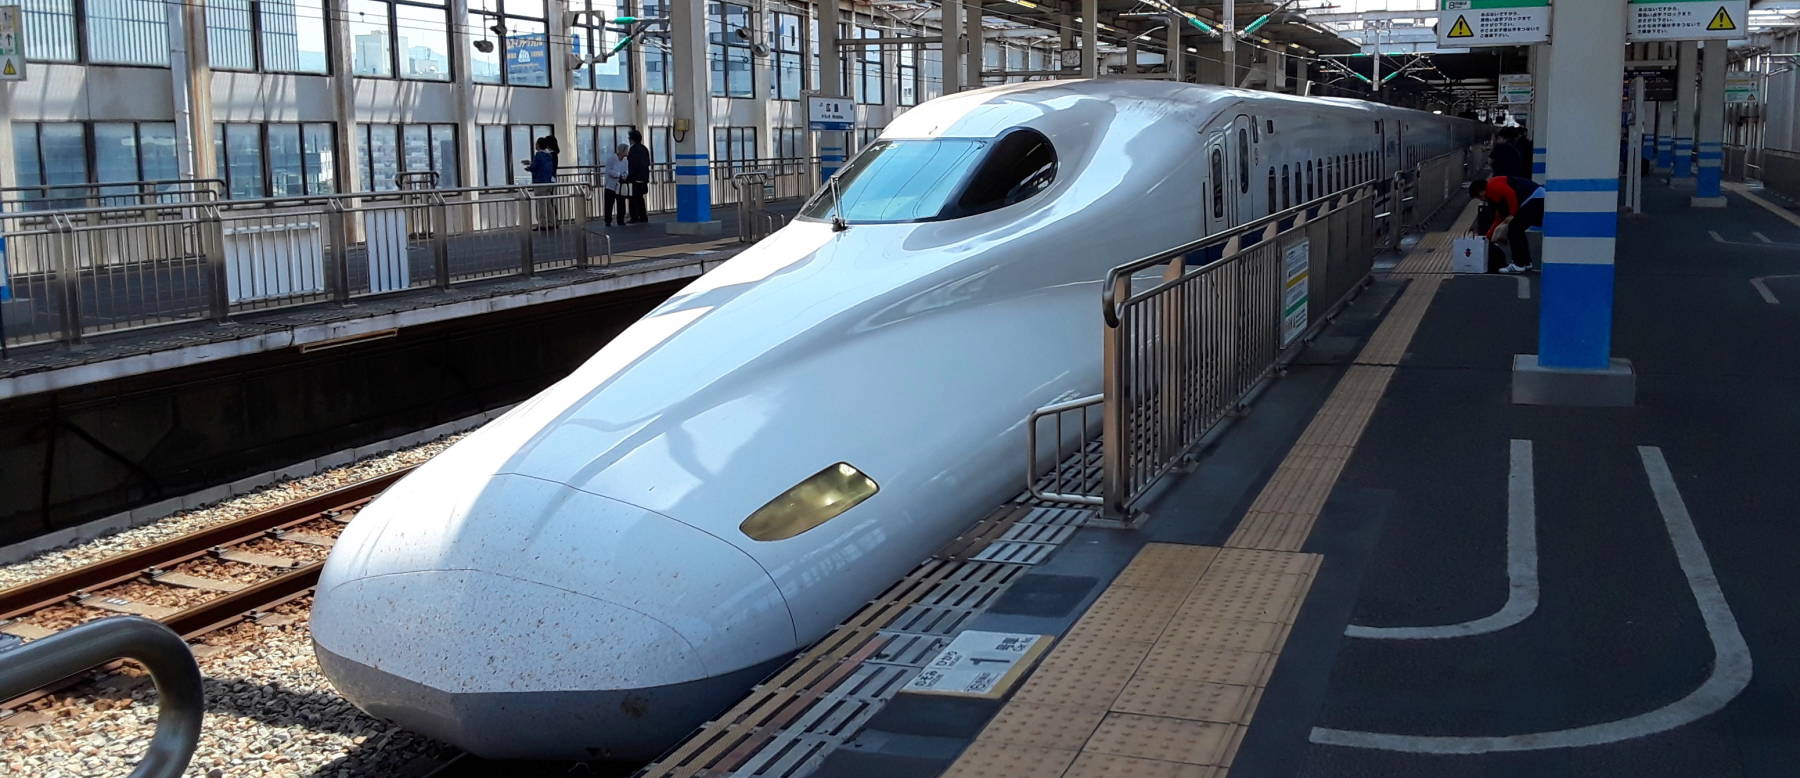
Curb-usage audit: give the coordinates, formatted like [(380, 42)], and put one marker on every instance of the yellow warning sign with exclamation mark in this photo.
[(9, 70), (1461, 28), (1721, 21)]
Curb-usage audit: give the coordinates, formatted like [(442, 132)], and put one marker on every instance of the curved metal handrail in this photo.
[(180, 694)]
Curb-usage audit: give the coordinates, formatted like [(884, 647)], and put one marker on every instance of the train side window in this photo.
[(1312, 182), (1218, 183), (1271, 126), (1021, 164), (1243, 160), (1287, 189), (1271, 200)]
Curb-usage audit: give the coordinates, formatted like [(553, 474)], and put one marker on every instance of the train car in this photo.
[(621, 556)]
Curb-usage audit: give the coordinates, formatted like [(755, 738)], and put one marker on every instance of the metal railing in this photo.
[(62, 197), (80, 272), (1779, 170), (180, 693), (788, 178), (1191, 332)]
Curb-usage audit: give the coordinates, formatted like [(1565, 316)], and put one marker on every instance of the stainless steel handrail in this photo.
[(180, 692), (1045, 480)]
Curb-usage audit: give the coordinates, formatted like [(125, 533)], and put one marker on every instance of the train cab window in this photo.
[(1287, 189), (900, 181), (1243, 161), (1218, 183)]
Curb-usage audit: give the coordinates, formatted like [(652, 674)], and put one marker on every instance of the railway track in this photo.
[(197, 583)]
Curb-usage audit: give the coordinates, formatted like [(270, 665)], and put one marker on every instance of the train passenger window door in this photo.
[(1287, 189), (1272, 200), (1311, 180), (1215, 173), (1246, 140)]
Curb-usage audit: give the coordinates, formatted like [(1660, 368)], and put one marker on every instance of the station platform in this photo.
[(1385, 568), (642, 255)]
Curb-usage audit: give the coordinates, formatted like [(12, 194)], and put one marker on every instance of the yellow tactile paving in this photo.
[(1163, 674)]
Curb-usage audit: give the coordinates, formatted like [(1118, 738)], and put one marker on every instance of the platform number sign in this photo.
[(830, 114), (1296, 297), (1470, 23), (1688, 20), (12, 44)]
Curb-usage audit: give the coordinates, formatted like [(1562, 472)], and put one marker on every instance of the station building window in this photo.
[(588, 37), (503, 147), (734, 148), (790, 149), (871, 83), (273, 36), (595, 145), (655, 52), (275, 160), (728, 36), (661, 144), (784, 56), (932, 83), (386, 150), (521, 43), (111, 32), (1018, 60), (408, 39), (907, 71), (57, 153)]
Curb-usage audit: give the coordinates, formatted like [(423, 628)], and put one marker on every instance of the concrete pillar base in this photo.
[(1706, 202), (1684, 183), (696, 228), (1614, 386), (1661, 171)]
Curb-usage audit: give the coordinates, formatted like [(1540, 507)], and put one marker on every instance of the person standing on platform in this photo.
[(638, 176), (1505, 159), (618, 169), (1518, 205), (542, 167)]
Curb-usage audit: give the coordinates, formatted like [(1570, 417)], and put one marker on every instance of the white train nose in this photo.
[(559, 623)]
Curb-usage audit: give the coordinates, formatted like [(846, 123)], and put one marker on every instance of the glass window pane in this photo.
[(115, 154), (445, 158), (243, 149), (293, 36), (321, 161), (416, 139), (494, 167), (128, 32), (64, 152), (423, 42), (369, 38), (384, 157), (49, 31), (156, 152), (25, 155), (900, 181), (585, 143), (286, 176), (228, 31), (527, 53), (521, 141)]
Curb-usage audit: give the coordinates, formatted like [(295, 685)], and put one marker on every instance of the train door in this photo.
[(1221, 183), (1243, 193)]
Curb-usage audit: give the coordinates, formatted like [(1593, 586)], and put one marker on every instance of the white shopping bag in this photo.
[(1469, 255)]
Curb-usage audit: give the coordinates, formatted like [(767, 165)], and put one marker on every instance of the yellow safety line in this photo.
[(1771, 207), (1163, 673)]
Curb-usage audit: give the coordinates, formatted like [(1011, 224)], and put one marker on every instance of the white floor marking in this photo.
[(1763, 289), (1731, 669), (1766, 205), (1717, 238), (1524, 288), (1521, 564), (1762, 237)]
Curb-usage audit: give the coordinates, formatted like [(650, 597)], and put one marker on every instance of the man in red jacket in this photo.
[(1518, 205)]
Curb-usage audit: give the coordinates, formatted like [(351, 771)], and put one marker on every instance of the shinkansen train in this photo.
[(623, 555)]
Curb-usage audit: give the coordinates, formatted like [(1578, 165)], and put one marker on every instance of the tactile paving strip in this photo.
[(1160, 676), (792, 721)]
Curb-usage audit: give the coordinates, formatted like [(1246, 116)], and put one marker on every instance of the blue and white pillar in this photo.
[(832, 145), (1574, 364), (689, 103), (1539, 131), (1686, 99), (1665, 138), (1710, 140)]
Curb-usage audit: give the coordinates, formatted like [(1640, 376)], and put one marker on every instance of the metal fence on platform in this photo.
[(788, 178), (70, 274), (1191, 333), (63, 197)]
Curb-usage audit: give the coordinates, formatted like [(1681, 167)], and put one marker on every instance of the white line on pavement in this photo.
[(1762, 237), (1521, 564), (1524, 288), (1731, 668), (1762, 287)]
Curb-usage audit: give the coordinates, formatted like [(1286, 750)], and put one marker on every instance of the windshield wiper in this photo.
[(837, 206)]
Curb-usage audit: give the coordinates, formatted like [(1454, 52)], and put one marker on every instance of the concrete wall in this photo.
[(73, 456)]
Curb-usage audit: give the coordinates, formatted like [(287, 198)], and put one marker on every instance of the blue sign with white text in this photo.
[(528, 59)]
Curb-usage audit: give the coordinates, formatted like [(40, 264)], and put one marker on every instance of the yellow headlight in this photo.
[(814, 501)]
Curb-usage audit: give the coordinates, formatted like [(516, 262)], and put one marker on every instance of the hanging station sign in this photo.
[(1469, 23), (1688, 20), (12, 44), (1515, 89)]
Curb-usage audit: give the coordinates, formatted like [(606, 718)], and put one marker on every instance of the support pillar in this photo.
[(1175, 61), (462, 90), (1538, 132), (1228, 44), (1709, 142), (1665, 138), (1090, 38), (191, 74), (1574, 364), (688, 88), (951, 45), (833, 145), (562, 79), (973, 31), (1275, 69), (1686, 100)]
